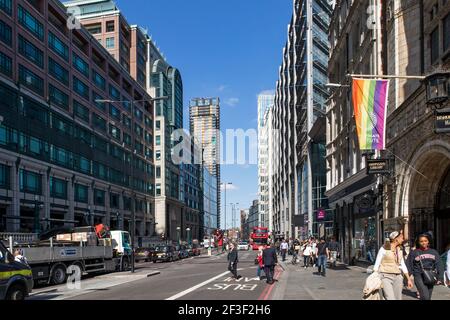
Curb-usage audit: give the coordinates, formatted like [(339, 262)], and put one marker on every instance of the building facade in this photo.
[(210, 202), (298, 175), (66, 158), (245, 231), (204, 120), (265, 104)]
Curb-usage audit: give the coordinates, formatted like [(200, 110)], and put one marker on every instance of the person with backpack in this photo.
[(426, 266)]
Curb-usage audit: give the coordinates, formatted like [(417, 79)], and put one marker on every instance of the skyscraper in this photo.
[(204, 119)]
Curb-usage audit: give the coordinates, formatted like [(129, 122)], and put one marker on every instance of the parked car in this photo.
[(243, 246), (193, 250), (144, 254), (165, 253), (183, 251)]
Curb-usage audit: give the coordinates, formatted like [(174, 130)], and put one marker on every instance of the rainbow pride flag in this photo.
[(370, 106)]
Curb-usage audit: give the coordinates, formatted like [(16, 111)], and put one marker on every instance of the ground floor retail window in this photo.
[(365, 241)]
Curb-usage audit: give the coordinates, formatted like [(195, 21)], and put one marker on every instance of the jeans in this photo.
[(322, 263), (306, 261), (283, 254), (392, 286), (232, 267), (269, 271), (258, 271), (424, 290)]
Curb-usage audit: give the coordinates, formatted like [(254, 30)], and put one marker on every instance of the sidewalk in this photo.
[(343, 283)]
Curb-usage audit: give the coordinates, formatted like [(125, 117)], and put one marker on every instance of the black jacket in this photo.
[(269, 257), (233, 256), (430, 260)]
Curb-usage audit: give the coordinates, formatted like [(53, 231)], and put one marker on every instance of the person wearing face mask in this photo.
[(390, 264)]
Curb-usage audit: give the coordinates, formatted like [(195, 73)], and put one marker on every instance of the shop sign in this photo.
[(378, 166), (443, 121), (320, 214)]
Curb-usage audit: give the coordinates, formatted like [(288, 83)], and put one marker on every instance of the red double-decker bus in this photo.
[(259, 237)]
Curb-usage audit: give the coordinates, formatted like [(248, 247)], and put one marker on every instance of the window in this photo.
[(158, 140), (126, 121), (81, 193), (5, 33), (98, 80), (80, 88), (99, 197), (158, 155), (110, 26), (31, 80), (58, 71), (138, 130), (114, 132), (110, 43), (58, 46), (114, 201), (139, 114), (80, 111), (127, 139), (30, 182), (58, 97), (4, 176), (58, 188), (158, 125), (5, 64), (31, 52), (81, 65), (98, 104), (30, 23), (94, 28), (158, 189), (434, 45), (98, 122), (114, 112), (114, 93), (446, 32), (6, 6), (158, 172)]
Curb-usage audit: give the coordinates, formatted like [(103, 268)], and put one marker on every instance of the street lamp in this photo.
[(437, 88), (188, 230), (178, 235)]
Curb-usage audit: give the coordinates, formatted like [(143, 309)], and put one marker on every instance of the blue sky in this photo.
[(226, 48)]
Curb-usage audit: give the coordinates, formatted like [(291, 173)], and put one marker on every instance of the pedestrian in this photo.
[(390, 264), (426, 266), (19, 257), (296, 250), (448, 266), (259, 259), (284, 248), (307, 250), (233, 260), (322, 254), (313, 252), (269, 260), (334, 248)]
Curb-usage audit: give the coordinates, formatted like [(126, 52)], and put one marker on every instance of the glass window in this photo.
[(31, 80), (85, 165), (80, 111), (30, 23), (158, 155), (30, 182), (110, 43), (95, 99), (110, 26), (98, 80), (58, 97), (58, 188), (158, 140), (114, 93), (31, 52), (158, 189), (434, 45), (446, 32), (98, 122), (5, 64), (114, 132), (126, 121), (6, 6), (114, 201), (5, 33), (59, 47), (81, 88), (99, 197), (114, 112), (94, 28), (81, 193), (4, 176), (158, 125), (80, 65), (58, 71), (127, 139), (138, 130)]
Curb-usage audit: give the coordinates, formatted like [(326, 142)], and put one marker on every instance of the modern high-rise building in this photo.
[(265, 104), (299, 173), (204, 119), (66, 158)]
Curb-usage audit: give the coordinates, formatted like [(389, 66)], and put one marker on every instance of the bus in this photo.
[(259, 237)]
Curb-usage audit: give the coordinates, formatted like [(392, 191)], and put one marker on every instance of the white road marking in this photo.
[(311, 293)]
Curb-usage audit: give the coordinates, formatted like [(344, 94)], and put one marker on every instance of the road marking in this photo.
[(185, 292), (311, 293)]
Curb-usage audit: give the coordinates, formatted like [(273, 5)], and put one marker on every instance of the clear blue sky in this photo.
[(226, 48)]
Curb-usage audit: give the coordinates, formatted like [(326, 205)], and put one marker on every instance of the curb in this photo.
[(153, 274)]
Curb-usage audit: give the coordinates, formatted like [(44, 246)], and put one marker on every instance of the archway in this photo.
[(428, 200)]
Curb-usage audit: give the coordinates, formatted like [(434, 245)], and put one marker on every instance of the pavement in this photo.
[(341, 283)]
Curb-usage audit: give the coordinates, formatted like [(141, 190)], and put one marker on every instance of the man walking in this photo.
[(233, 260), (284, 248), (322, 254), (269, 261), (334, 248)]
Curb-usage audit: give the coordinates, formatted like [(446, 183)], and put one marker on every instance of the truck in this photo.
[(78, 251)]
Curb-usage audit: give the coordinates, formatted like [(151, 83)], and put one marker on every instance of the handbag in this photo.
[(429, 277)]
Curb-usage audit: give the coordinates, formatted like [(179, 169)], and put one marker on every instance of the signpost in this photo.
[(378, 166)]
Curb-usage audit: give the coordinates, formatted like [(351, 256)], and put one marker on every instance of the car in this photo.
[(16, 282), (183, 251), (165, 253), (193, 250), (243, 246), (144, 254)]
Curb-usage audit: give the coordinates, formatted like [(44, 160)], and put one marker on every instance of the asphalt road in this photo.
[(199, 278)]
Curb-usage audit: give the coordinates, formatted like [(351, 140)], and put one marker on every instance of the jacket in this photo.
[(430, 259), (372, 287), (260, 261), (269, 257)]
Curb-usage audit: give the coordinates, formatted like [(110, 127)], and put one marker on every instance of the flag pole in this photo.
[(383, 76)]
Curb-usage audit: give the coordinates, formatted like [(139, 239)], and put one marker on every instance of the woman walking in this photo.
[(260, 267), (390, 264), (426, 266)]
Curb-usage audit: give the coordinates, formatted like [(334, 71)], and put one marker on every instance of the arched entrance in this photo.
[(428, 199)]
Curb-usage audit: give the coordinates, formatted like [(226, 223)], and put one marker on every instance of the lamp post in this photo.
[(178, 235), (437, 88), (133, 213), (188, 231)]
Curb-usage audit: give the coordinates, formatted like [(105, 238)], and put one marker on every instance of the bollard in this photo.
[(209, 251)]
